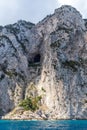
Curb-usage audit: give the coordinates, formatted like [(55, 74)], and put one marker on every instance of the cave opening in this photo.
[(37, 58), (35, 61)]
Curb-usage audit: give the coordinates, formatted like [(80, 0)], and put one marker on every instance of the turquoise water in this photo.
[(44, 125)]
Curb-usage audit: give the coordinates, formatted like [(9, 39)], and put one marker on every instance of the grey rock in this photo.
[(47, 59)]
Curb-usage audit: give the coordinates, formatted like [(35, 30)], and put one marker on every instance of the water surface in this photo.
[(44, 125)]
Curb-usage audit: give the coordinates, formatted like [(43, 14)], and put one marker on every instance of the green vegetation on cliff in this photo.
[(31, 103)]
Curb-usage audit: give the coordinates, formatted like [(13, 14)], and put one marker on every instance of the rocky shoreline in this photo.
[(19, 114)]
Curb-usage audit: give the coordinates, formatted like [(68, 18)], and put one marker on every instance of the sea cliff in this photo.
[(43, 67)]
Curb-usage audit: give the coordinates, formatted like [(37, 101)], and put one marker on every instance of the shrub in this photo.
[(67, 30), (33, 64), (85, 101), (55, 44), (2, 77), (31, 103), (43, 89), (1, 112), (72, 64)]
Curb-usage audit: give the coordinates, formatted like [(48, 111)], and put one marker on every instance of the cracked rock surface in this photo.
[(47, 59)]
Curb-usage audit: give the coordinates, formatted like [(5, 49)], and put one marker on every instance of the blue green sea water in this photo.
[(43, 125)]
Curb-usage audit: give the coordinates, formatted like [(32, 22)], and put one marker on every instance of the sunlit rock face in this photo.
[(47, 59)]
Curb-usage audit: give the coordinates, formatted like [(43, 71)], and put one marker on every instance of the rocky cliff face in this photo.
[(47, 59)]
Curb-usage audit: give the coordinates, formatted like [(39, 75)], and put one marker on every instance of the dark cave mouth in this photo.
[(35, 61), (37, 58)]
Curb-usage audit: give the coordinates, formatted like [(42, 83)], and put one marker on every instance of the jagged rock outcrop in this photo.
[(48, 59)]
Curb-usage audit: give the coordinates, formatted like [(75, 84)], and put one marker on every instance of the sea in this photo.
[(43, 125)]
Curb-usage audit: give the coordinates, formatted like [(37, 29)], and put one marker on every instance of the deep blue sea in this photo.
[(44, 125)]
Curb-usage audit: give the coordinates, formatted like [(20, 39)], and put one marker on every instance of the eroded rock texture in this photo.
[(47, 59)]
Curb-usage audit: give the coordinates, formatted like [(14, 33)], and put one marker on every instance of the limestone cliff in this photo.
[(48, 59)]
